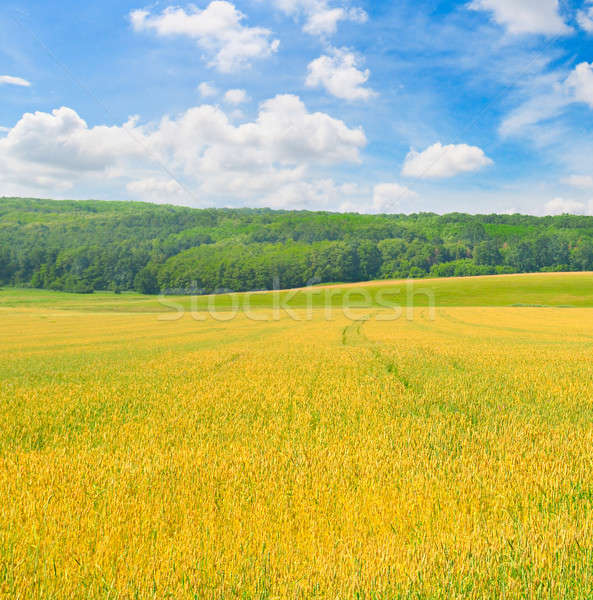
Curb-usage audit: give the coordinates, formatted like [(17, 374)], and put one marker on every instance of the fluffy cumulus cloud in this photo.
[(236, 97), (61, 141), (339, 74), (440, 161), (560, 206), (10, 80), (525, 16), (202, 148), (218, 29), (321, 16)]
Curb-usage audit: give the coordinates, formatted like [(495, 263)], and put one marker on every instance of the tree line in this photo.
[(82, 246)]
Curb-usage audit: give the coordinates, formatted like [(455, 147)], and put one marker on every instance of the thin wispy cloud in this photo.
[(10, 80)]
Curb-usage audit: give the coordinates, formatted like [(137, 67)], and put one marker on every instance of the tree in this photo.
[(522, 257), (146, 281), (369, 259), (487, 253), (392, 252), (474, 232), (581, 256)]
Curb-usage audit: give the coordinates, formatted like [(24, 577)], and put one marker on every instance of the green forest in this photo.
[(82, 246)]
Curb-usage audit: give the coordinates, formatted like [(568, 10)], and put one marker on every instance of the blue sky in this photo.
[(479, 106)]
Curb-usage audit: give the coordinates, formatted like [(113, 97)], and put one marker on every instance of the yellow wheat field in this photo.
[(446, 458)]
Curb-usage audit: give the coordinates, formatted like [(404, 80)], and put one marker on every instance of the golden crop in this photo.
[(451, 458)]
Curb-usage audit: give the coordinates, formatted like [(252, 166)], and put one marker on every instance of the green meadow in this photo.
[(540, 289)]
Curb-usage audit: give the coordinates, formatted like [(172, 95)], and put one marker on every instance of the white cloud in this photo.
[(63, 141), (585, 17), (525, 16), (387, 197), (339, 75), (583, 182), (580, 81), (207, 90), (549, 98), (325, 22), (321, 18), (349, 189), (217, 29), (305, 195), (548, 95), (236, 97), (286, 132), (560, 206), (9, 80), (155, 188), (215, 159), (440, 161)]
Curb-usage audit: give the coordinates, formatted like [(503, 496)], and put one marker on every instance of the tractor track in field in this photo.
[(353, 336)]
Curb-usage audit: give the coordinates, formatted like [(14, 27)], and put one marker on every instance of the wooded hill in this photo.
[(81, 246)]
